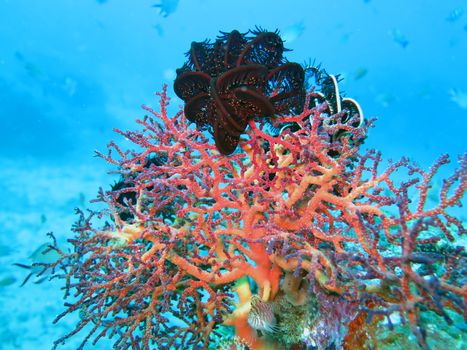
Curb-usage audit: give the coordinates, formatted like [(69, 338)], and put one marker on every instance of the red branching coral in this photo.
[(190, 236)]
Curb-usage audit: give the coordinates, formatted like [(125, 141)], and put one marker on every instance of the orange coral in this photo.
[(203, 232)]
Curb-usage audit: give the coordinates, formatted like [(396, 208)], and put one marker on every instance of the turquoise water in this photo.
[(73, 70)]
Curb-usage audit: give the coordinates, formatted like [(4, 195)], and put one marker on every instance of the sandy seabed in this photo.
[(38, 198)]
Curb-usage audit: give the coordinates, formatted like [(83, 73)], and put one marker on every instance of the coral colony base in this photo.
[(295, 240)]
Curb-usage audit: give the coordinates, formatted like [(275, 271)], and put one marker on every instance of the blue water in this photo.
[(72, 70)]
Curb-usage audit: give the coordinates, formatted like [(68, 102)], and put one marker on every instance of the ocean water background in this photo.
[(72, 70)]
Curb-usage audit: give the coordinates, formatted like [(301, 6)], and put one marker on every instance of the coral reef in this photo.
[(297, 225)]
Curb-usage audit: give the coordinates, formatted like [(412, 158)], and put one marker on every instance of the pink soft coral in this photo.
[(192, 234)]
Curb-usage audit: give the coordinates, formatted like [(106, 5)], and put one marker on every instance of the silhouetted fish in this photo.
[(292, 32), (455, 14), (7, 281), (32, 69), (44, 254), (167, 7), (399, 38), (360, 73)]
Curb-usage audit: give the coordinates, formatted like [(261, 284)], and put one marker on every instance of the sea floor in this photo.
[(37, 198)]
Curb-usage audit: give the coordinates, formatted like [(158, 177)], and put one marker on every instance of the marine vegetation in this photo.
[(297, 239)]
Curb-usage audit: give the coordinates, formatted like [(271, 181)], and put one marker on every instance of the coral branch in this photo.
[(296, 220)]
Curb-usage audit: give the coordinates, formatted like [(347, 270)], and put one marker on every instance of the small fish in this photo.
[(360, 73), (261, 316), (7, 281), (455, 14), (167, 7), (433, 192), (44, 254), (33, 70), (399, 38), (293, 32), (459, 97)]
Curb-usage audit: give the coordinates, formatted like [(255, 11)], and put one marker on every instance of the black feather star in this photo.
[(236, 78)]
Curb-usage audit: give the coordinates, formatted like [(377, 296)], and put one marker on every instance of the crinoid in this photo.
[(238, 77)]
